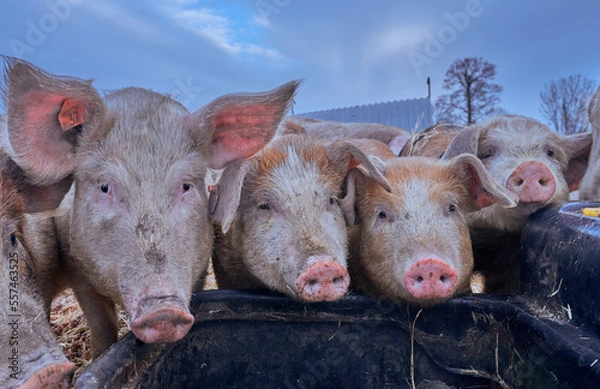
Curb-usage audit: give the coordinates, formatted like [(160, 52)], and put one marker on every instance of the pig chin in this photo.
[(526, 209)]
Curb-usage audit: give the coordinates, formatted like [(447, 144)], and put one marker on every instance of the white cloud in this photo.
[(218, 29), (393, 41), (215, 28)]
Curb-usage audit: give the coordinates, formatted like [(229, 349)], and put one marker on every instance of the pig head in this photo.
[(412, 244), (137, 231), (590, 184), (288, 233), (431, 142), (527, 158)]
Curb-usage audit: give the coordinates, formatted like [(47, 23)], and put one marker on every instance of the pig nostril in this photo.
[(312, 282), (338, 280), (519, 182), (542, 182), (419, 279), (443, 279)]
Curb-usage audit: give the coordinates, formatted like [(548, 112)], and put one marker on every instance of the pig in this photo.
[(134, 229), (288, 233), (527, 158), (32, 357), (431, 142), (590, 184), (394, 137), (412, 245)]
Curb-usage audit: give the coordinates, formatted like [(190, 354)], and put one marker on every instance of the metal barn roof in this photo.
[(408, 114)]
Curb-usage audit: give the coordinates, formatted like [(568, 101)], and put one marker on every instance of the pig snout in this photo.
[(324, 280), (161, 320), (56, 375), (431, 278), (533, 182)]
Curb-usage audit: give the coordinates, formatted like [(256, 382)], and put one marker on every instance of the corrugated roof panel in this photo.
[(400, 113)]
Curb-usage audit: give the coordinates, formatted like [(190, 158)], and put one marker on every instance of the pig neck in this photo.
[(228, 261), (359, 281)]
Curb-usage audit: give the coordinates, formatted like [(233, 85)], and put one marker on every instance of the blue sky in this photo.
[(347, 52)]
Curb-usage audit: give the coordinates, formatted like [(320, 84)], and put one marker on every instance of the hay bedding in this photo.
[(73, 335)]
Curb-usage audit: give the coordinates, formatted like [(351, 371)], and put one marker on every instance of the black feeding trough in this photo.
[(547, 336)]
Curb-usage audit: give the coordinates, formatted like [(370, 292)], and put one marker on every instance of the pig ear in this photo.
[(482, 188), (224, 197), (347, 157), (46, 116), (239, 125), (354, 179), (397, 144), (578, 148), (348, 202), (359, 166), (466, 141)]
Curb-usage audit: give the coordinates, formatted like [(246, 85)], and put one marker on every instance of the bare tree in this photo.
[(564, 103), (473, 96)]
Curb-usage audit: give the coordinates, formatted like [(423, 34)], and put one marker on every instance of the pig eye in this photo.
[(13, 239), (486, 154), (332, 200), (451, 207), (550, 152), (382, 215), (265, 206), (186, 186), (105, 188)]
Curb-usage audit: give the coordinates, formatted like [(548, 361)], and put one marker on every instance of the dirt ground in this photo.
[(73, 334)]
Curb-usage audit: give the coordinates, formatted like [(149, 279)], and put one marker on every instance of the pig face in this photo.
[(138, 229), (412, 244), (34, 358), (527, 158), (590, 184), (289, 230)]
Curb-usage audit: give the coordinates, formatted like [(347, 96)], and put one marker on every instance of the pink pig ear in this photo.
[(483, 190), (239, 125), (47, 114)]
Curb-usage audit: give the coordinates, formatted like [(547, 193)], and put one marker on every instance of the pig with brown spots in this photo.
[(411, 244), (288, 233), (135, 228)]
